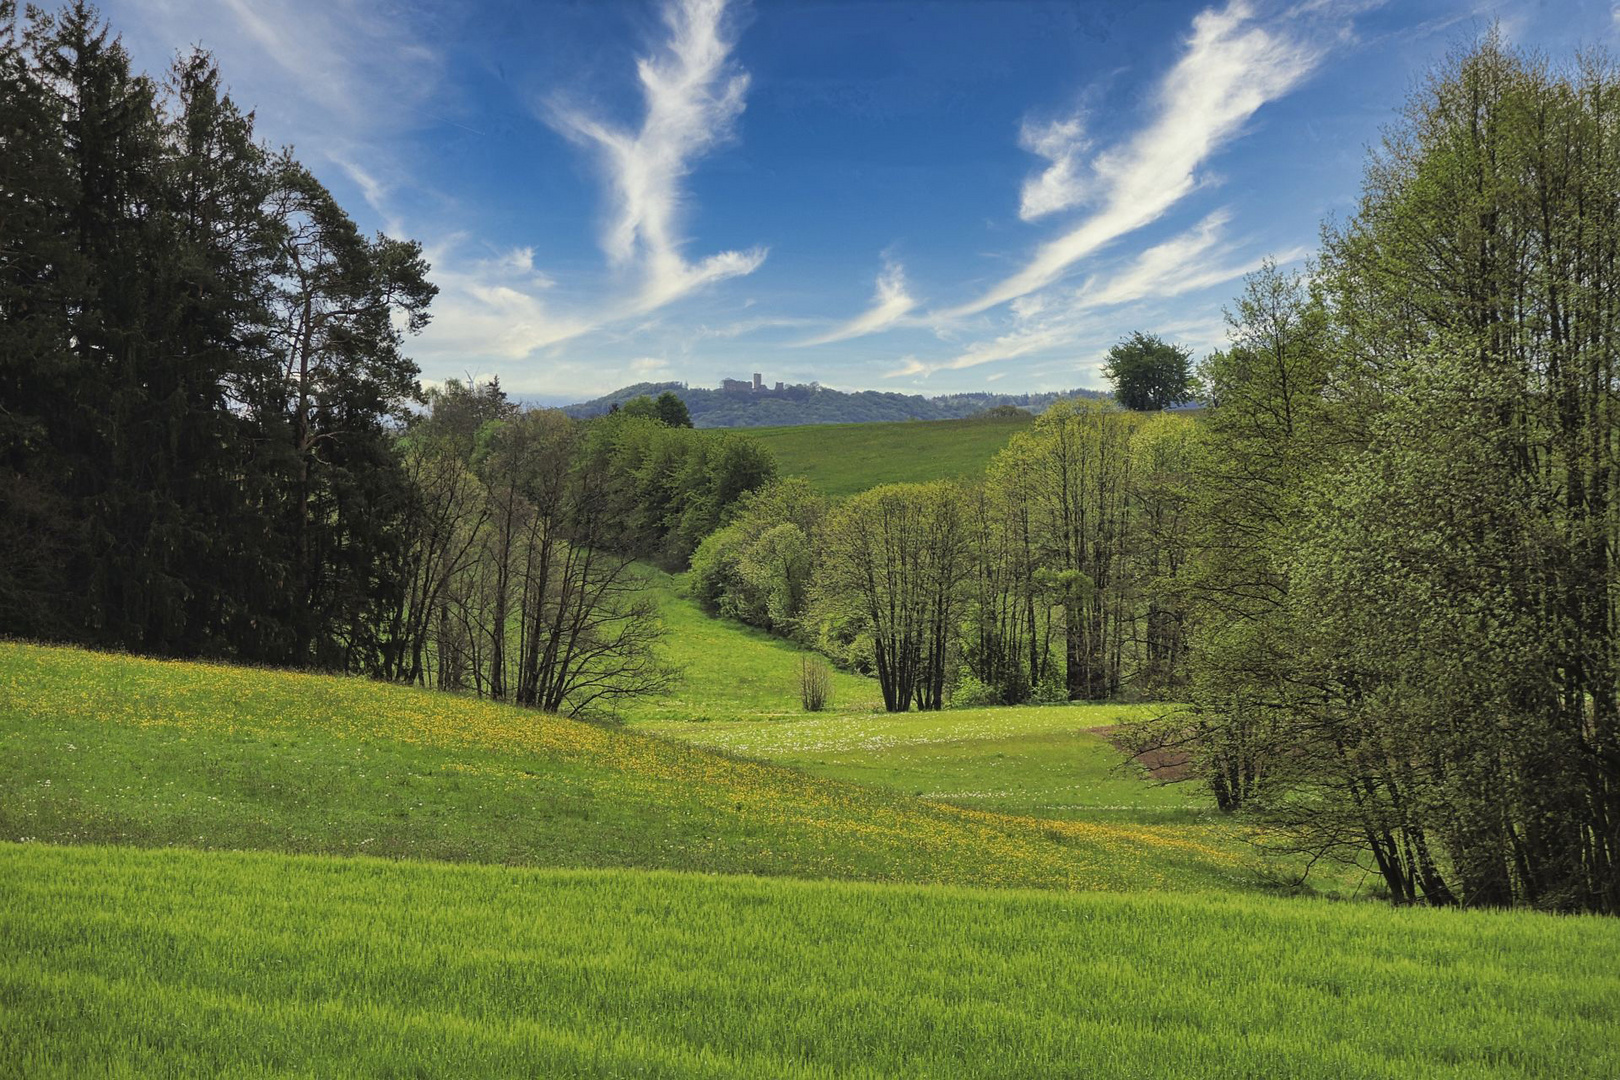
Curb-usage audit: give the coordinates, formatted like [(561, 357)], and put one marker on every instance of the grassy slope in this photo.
[(119, 961), (125, 962), (1038, 761), (730, 671), (738, 694), (842, 459), (102, 749)]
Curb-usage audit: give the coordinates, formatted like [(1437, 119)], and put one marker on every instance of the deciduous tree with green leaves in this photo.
[(893, 560), (1406, 648), (1149, 373)]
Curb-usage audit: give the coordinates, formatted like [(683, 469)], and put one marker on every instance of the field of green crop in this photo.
[(842, 459), (179, 963)]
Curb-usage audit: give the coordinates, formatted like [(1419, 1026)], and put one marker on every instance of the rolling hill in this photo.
[(105, 749), (843, 459), (190, 886), (811, 403)]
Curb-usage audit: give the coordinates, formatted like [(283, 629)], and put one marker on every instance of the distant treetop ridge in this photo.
[(755, 403)]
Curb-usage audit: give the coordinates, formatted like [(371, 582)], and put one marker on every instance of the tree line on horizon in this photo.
[(811, 403)]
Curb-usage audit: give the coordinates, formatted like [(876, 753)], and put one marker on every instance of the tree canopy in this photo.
[(1149, 373), (1404, 642)]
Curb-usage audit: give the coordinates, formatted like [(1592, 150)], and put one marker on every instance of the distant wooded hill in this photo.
[(809, 403)]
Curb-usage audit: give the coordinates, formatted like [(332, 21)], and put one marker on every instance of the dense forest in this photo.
[(809, 403)]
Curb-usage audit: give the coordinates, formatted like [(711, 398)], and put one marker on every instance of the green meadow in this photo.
[(108, 750), (730, 671), (1037, 761), (738, 693), (842, 459), (1049, 766), (227, 872), (125, 962)]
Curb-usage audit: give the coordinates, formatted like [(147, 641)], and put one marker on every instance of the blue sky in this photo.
[(925, 197)]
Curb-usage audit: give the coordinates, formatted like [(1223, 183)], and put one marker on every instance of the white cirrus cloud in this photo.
[(1056, 320), (490, 309), (1061, 184), (1193, 260), (891, 302), (1024, 341), (1232, 65), (693, 94), (908, 366)]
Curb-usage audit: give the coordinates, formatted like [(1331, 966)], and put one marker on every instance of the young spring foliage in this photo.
[(1407, 637)]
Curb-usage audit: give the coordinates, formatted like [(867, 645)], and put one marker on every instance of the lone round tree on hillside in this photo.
[(672, 410), (1149, 373)]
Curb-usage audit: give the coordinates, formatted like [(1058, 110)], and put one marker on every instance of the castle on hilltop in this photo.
[(738, 386)]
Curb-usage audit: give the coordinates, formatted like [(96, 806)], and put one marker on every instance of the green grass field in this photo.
[(100, 749), (121, 962), (843, 459), (1041, 764), (1040, 761), (730, 671), (189, 886), (738, 693)]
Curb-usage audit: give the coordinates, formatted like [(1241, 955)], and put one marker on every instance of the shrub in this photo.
[(970, 692), (815, 685)]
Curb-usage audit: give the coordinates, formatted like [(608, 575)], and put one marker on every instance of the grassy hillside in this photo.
[(117, 959), (180, 963), (730, 671), (105, 749), (1039, 761), (842, 459), (738, 694)]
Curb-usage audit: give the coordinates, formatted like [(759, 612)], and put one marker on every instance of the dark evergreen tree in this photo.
[(344, 383), (200, 368), (41, 274)]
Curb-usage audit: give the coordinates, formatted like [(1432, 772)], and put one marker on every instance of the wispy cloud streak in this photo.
[(1061, 184), (693, 95), (890, 303), (1232, 66), (1055, 319), (1194, 260)]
